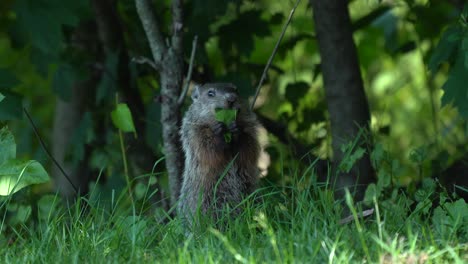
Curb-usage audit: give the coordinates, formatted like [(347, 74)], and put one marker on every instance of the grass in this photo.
[(298, 223)]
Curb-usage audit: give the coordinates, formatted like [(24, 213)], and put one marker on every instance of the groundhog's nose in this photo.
[(231, 98)]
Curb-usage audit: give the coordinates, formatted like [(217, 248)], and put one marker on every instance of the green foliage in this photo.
[(41, 23), (450, 220), (122, 118), (295, 223), (453, 48), (16, 174)]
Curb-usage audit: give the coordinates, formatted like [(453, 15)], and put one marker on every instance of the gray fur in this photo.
[(207, 155)]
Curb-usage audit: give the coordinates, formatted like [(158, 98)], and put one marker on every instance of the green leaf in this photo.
[(122, 118), (451, 218), (226, 116), (456, 88), (446, 48), (1, 97), (43, 20), (7, 145), (11, 107), (15, 175)]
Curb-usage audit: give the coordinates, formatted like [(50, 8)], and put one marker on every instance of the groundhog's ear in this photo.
[(196, 92)]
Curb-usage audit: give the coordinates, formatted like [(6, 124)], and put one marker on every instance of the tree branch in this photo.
[(177, 26), (169, 60), (189, 74), (143, 60), (270, 60), (151, 27), (48, 152)]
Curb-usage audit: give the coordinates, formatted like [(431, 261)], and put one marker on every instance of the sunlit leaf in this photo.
[(122, 118), (15, 175)]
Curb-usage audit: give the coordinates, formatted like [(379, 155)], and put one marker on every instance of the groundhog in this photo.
[(218, 172)]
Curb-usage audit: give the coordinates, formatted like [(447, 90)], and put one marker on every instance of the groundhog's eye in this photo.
[(211, 93)]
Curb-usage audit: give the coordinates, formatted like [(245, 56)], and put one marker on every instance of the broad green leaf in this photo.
[(122, 118), (456, 88), (226, 116), (451, 218), (446, 48), (7, 145), (1, 97), (15, 175)]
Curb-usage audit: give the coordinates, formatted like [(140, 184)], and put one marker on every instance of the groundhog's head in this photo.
[(212, 96)]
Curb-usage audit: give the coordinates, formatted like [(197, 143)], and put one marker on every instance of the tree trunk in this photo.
[(66, 120), (346, 99), (67, 117), (168, 59)]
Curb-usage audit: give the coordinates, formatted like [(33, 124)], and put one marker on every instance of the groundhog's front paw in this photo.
[(233, 128), (219, 128)]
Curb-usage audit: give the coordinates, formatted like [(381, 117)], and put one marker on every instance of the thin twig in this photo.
[(47, 151), (189, 74), (350, 218), (143, 60), (262, 79)]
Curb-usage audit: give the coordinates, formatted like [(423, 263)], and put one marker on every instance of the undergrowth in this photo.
[(297, 223)]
